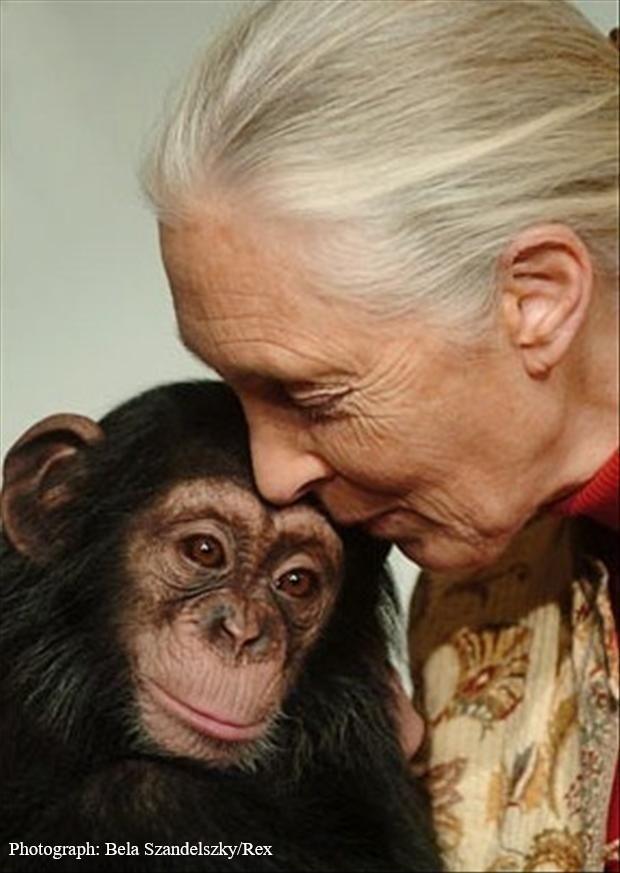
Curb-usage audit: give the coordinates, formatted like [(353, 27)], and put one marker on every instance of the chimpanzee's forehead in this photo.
[(234, 502)]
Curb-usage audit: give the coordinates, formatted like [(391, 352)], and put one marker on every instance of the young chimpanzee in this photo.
[(191, 679)]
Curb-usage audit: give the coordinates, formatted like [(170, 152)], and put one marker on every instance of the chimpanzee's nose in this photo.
[(239, 627)]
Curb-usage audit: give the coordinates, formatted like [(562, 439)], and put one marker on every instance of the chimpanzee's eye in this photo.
[(299, 582), (204, 550)]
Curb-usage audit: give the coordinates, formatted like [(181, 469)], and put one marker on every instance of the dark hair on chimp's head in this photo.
[(181, 430)]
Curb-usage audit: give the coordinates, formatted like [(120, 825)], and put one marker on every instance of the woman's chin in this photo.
[(441, 553)]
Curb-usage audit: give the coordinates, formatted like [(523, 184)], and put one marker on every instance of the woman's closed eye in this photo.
[(317, 404)]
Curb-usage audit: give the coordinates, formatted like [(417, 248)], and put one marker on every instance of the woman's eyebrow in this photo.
[(231, 373), (248, 372)]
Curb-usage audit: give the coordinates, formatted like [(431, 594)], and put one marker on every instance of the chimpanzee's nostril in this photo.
[(237, 628), (245, 629)]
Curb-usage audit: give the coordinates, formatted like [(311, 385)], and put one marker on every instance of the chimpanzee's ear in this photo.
[(37, 476)]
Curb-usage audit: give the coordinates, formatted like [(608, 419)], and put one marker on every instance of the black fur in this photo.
[(336, 796)]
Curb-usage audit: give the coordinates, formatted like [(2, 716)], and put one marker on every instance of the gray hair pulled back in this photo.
[(415, 138)]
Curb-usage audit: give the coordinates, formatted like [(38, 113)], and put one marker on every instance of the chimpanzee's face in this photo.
[(222, 594), (227, 595)]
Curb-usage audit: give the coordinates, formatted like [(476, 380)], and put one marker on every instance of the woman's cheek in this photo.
[(354, 448)]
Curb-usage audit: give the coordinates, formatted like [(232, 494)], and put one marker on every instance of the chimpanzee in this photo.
[(191, 679)]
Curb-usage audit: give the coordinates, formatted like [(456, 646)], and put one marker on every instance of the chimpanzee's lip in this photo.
[(206, 722)]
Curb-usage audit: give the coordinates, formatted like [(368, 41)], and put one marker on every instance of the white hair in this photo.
[(416, 138)]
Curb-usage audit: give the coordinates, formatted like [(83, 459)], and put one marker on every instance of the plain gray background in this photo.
[(86, 319)]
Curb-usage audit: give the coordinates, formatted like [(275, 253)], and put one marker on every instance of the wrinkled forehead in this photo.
[(241, 290), (233, 503)]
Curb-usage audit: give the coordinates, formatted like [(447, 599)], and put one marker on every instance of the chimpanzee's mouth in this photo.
[(216, 726)]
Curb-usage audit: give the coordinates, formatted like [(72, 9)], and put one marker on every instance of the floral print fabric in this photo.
[(516, 673)]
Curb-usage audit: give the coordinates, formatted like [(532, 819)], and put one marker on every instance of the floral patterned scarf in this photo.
[(516, 673)]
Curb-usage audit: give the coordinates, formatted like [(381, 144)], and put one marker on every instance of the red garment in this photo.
[(599, 499)]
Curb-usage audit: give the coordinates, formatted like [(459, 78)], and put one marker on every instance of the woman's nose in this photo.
[(284, 470)]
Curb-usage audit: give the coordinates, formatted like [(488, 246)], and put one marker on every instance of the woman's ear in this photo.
[(545, 278), (39, 476)]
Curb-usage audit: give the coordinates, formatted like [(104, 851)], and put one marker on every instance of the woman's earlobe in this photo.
[(546, 286)]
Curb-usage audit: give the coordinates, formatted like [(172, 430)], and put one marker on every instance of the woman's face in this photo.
[(387, 421)]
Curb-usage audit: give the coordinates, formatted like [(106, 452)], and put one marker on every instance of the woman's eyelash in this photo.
[(318, 407)]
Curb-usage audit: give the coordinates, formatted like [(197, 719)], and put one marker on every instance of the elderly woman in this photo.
[(392, 228)]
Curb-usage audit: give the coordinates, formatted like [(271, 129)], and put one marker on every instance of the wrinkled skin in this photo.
[(390, 421)]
